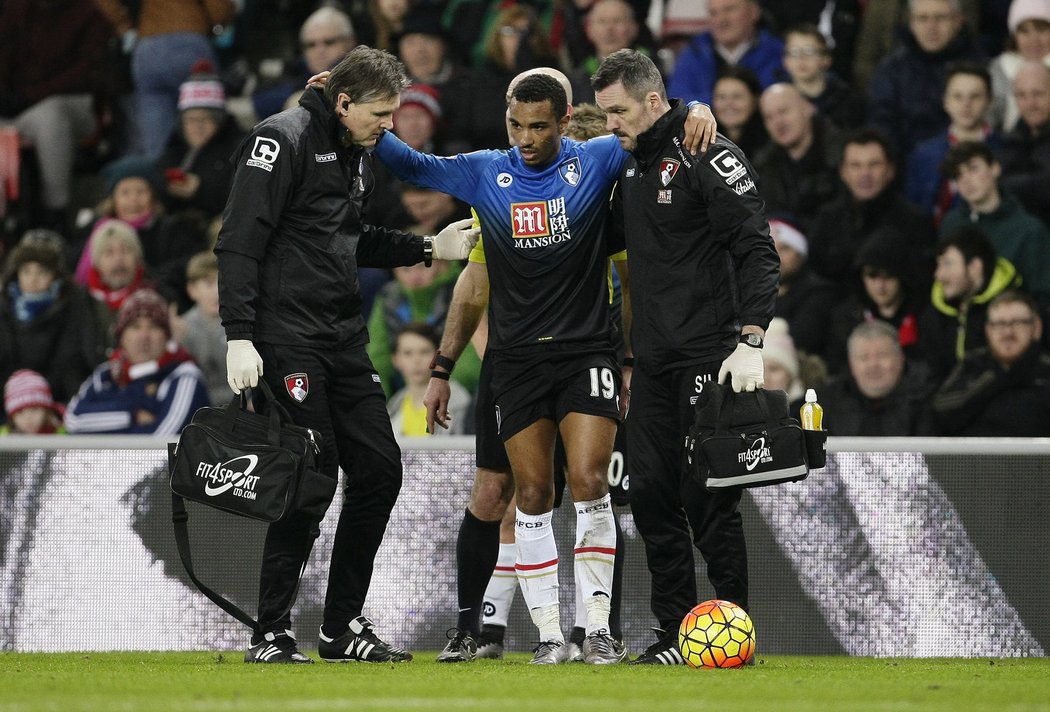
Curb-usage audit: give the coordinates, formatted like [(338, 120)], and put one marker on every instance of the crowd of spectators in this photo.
[(902, 148)]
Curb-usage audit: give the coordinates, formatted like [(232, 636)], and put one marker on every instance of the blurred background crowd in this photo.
[(902, 148)]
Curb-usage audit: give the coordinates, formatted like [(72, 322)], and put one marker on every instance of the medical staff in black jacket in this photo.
[(291, 242), (704, 276)]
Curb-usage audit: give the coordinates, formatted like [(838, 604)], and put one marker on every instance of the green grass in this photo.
[(153, 682)]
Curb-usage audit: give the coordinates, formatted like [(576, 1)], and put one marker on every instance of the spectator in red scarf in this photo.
[(115, 270), (134, 187), (149, 385)]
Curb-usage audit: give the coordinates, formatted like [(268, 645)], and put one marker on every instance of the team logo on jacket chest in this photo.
[(668, 169), (539, 223), (298, 386)]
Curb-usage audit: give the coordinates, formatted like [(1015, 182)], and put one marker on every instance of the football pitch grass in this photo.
[(154, 682)]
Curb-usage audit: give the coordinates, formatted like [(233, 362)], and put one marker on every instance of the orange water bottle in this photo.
[(811, 414)]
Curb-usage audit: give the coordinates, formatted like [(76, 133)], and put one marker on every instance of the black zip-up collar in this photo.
[(653, 141), (313, 100)]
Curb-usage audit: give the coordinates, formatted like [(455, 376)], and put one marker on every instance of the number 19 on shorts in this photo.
[(603, 384)]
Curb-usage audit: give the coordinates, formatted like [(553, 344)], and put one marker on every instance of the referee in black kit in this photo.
[(291, 241), (704, 277)]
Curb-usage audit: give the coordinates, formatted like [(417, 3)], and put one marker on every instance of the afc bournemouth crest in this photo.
[(570, 171), (298, 386), (668, 168)]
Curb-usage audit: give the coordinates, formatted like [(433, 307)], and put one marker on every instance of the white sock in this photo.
[(537, 568), (595, 555), (504, 583), (581, 608)]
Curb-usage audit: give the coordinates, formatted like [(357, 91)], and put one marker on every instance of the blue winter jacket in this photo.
[(694, 74)]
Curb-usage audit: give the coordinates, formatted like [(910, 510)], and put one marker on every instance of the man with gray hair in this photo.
[(883, 393), (324, 39), (291, 241)]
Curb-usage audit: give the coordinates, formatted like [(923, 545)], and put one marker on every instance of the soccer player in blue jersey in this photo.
[(542, 206)]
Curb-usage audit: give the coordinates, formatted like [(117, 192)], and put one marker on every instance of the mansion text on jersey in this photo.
[(539, 223)]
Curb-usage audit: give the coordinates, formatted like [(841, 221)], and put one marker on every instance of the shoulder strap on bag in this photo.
[(180, 519)]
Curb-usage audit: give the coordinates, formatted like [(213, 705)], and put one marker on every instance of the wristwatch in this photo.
[(428, 250), (752, 339)]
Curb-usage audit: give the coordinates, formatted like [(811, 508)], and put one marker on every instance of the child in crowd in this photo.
[(807, 61), (788, 369), (30, 408), (47, 323), (200, 330), (414, 349), (967, 98)]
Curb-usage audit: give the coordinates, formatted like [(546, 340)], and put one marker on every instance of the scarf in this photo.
[(140, 222), (27, 307), (114, 297), (124, 372)]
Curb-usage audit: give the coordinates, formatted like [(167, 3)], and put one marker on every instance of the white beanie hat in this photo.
[(780, 347), (1021, 10), (783, 231)]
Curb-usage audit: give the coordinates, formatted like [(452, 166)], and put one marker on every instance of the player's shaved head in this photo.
[(550, 72)]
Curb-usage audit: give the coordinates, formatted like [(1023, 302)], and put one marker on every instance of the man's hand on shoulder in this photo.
[(700, 128)]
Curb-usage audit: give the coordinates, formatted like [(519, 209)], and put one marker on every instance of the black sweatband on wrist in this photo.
[(443, 375), (443, 361), (628, 361)]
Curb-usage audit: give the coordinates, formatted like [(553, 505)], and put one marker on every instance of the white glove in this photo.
[(457, 240), (244, 365), (745, 363)]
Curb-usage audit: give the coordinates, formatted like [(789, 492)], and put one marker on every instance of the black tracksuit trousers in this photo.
[(667, 502), (345, 403)]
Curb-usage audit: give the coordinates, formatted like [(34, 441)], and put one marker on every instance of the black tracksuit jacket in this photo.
[(702, 261), (293, 237)]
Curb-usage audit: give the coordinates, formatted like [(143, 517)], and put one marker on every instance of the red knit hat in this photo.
[(147, 303), (425, 97), (28, 389), (202, 90)]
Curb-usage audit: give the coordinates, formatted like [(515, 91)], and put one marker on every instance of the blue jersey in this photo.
[(544, 228)]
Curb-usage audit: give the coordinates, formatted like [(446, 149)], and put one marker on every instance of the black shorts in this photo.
[(489, 451), (551, 384)]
